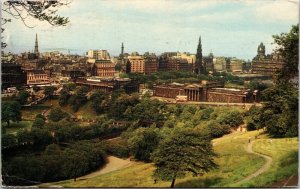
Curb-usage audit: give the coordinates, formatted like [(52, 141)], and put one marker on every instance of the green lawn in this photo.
[(14, 127), (284, 152), (234, 165)]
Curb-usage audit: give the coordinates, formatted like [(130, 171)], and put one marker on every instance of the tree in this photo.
[(40, 10), (79, 98), (10, 111), (48, 91), (63, 97), (56, 114), (38, 123), (22, 97), (186, 150), (99, 101), (142, 142), (288, 48)]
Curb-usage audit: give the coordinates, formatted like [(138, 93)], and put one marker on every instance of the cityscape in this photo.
[(164, 110)]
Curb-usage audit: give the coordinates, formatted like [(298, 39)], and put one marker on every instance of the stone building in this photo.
[(230, 95), (267, 65), (236, 65), (37, 77), (109, 85), (208, 63), (219, 64), (206, 91)]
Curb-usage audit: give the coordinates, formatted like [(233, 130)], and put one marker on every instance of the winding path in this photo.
[(113, 164), (264, 168)]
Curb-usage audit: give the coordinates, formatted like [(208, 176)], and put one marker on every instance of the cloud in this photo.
[(276, 11)]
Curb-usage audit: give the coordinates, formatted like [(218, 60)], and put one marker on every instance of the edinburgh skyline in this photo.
[(227, 28)]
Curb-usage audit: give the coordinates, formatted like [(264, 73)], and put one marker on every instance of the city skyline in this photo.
[(227, 28)]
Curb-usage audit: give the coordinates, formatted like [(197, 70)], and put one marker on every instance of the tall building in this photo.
[(236, 65), (143, 64), (264, 64), (198, 64), (103, 68), (219, 64)]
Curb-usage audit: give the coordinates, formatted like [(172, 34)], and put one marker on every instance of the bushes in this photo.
[(54, 164), (56, 114), (117, 147)]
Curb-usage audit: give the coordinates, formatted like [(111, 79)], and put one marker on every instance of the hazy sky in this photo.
[(227, 27)]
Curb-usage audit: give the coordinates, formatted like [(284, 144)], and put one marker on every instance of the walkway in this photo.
[(264, 168), (113, 164)]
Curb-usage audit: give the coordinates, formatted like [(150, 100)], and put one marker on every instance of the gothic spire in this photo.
[(36, 46), (198, 63)]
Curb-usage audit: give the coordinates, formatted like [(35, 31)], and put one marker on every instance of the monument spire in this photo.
[(36, 46), (198, 63)]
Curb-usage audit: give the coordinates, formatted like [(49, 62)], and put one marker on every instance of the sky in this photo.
[(232, 28)]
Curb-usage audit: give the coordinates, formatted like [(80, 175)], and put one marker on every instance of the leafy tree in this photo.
[(63, 97), (142, 142), (8, 140), (289, 49), (99, 101), (10, 111), (56, 114), (22, 97), (48, 91), (38, 123), (218, 130), (79, 98), (232, 118), (184, 151), (279, 113)]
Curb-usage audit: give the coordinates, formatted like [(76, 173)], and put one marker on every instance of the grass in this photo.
[(284, 152), (234, 164), (29, 113), (14, 127)]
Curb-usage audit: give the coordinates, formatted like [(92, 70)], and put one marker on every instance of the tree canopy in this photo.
[(186, 150)]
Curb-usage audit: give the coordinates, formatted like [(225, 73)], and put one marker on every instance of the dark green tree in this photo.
[(289, 50), (56, 114), (99, 101), (184, 151), (22, 97), (38, 123), (49, 91), (63, 97), (10, 111)]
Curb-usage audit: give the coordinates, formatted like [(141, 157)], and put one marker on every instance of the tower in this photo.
[(36, 46), (261, 50), (122, 50), (198, 64)]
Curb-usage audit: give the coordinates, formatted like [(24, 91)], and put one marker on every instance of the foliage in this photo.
[(63, 97), (79, 98), (231, 118), (56, 114), (184, 151), (49, 90), (10, 111), (142, 142), (54, 164), (218, 130), (147, 112), (288, 48), (117, 147), (99, 101), (22, 97), (38, 123), (280, 111)]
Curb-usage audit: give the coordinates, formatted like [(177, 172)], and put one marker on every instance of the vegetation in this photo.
[(54, 164), (10, 111), (57, 114), (184, 151)]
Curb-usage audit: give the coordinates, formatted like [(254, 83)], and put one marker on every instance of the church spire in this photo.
[(36, 46), (122, 49), (198, 63)]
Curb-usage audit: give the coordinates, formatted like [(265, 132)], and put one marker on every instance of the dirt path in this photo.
[(264, 168), (113, 164)]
